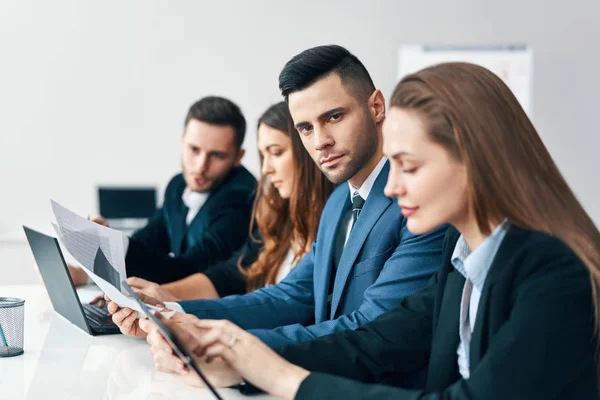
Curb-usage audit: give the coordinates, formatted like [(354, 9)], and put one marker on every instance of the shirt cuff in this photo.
[(175, 306)]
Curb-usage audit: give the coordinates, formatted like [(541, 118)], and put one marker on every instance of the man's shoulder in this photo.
[(176, 186), (241, 179), (340, 193)]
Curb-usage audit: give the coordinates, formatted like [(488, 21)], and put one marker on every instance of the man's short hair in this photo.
[(219, 111), (313, 64)]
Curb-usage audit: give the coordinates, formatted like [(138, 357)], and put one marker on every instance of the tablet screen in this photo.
[(171, 339)]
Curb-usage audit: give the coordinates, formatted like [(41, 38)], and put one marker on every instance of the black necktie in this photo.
[(357, 204)]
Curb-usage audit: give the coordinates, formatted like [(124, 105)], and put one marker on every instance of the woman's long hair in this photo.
[(474, 115), (286, 222)]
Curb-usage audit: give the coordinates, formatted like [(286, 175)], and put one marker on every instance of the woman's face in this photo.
[(429, 184), (275, 147)]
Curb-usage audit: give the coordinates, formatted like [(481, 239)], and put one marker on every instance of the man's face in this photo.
[(208, 153), (338, 132)]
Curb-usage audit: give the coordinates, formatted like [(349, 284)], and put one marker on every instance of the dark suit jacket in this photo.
[(533, 337), (219, 228), (226, 276)]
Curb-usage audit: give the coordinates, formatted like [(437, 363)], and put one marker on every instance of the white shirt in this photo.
[(194, 202), (474, 266), (286, 266)]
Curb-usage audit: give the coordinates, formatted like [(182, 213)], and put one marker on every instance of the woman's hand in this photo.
[(151, 289), (127, 319), (235, 353), (219, 373)]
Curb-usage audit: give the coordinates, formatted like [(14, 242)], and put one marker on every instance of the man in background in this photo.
[(207, 207)]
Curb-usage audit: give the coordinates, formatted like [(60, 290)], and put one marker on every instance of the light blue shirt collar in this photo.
[(475, 265)]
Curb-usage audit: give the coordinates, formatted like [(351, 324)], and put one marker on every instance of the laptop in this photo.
[(53, 268), (178, 349)]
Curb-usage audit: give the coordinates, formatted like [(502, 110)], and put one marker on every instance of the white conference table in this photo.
[(62, 362)]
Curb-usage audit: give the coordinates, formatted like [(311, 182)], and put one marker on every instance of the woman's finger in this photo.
[(220, 350), (129, 321), (169, 363), (138, 282), (121, 314), (156, 340), (112, 307)]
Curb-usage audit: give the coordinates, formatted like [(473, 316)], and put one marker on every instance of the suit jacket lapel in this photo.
[(443, 365), (373, 208), (479, 339), (177, 215), (326, 260)]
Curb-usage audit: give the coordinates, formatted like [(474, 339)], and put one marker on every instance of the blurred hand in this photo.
[(218, 372), (78, 276), (151, 289), (126, 318), (99, 219), (244, 355), (99, 301)]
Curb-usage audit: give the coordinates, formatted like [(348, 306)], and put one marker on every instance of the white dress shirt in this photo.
[(194, 202), (286, 266), (474, 266)]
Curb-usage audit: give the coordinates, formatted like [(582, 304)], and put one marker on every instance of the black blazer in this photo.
[(533, 337), (219, 228), (226, 276)]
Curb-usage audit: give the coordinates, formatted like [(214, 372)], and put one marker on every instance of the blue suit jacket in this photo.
[(381, 264)]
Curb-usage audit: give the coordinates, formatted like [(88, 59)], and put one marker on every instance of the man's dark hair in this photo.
[(219, 111), (313, 64)]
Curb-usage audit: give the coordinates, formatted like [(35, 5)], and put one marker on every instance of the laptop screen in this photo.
[(53, 269)]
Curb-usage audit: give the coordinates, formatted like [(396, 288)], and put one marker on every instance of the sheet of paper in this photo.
[(97, 248), (115, 295)]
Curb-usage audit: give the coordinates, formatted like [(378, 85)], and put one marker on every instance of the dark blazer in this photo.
[(533, 337), (381, 264), (226, 276), (167, 249)]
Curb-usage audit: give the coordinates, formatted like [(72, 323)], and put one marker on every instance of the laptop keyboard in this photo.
[(98, 317)]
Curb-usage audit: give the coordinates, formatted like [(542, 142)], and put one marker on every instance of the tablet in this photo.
[(179, 350)]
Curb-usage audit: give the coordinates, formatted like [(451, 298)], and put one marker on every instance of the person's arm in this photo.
[(228, 229), (226, 277), (221, 279), (197, 286), (546, 344), (410, 266), (245, 356), (290, 301)]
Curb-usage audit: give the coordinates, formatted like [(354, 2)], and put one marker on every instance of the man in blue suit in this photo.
[(364, 260)]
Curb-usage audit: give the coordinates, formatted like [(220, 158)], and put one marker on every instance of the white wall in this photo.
[(96, 92)]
